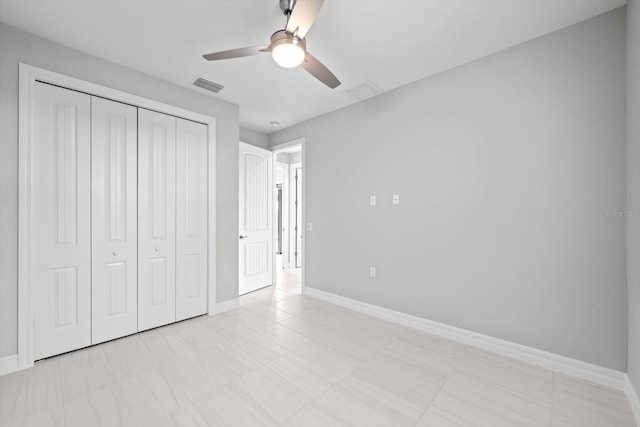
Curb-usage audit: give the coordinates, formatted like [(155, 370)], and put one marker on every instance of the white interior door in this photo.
[(191, 219), (114, 273), (62, 222), (256, 210), (156, 219)]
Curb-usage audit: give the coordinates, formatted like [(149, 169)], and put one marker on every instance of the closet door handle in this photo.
[(115, 253), (156, 249), (243, 237)]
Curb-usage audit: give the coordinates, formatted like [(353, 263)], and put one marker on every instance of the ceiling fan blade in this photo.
[(235, 53), (319, 71), (303, 15)]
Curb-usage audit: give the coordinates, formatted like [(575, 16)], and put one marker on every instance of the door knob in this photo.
[(156, 249), (115, 253), (243, 237)]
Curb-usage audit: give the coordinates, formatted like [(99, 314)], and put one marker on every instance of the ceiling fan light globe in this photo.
[(288, 55)]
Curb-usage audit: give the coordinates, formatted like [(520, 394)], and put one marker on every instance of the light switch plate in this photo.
[(372, 200), (309, 226), (396, 199), (372, 271)]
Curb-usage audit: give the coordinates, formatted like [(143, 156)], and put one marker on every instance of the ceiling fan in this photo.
[(288, 47)]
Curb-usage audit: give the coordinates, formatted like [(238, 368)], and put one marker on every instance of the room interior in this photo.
[(470, 221)]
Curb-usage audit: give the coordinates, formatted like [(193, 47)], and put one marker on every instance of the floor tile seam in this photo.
[(619, 414), (291, 383), (296, 412), (458, 359), (554, 408), (435, 397), (504, 388), (524, 371), (492, 411), (298, 332), (245, 398), (47, 408), (444, 383), (335, 347), (412, 361), (122, 399), (381, 389)]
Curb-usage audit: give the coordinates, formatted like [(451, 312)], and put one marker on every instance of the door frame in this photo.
[(285, 213), (276, 149), (293, 213), (28, 76)]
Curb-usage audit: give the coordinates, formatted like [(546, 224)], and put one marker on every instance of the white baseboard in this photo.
[(566, 365), (634, 400), (8, 364), (223, 306)]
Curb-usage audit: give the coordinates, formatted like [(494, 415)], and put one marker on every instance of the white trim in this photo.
[(293, 214), (211, 226), (8, 364), (288, 144), (634, 400), (223, 306), (566, 365), (28, 75), (285, 213)]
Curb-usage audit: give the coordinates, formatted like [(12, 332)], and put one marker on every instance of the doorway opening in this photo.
[(288, 216)]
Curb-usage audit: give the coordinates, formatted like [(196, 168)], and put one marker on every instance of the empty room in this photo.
[(320, 213)]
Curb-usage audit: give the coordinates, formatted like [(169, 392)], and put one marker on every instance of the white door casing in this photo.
[(114, 274), (256, 218), (62, 220), (285, 213), (156, 219), (300, 225), (191, 219), (296, 222)]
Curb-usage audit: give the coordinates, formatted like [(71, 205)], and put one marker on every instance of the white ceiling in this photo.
[(388, 43)]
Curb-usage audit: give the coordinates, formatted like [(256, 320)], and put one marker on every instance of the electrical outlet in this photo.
[(372, 271), (396, 199), (372, 200)]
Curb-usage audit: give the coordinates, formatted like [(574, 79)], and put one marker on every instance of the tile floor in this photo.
[(287, 360)]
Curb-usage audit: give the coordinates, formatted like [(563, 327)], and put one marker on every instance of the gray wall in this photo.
[(289, 158), (17, 46), (506, 168), (283, 158), (253, 137), (295, 157), (633, 187)]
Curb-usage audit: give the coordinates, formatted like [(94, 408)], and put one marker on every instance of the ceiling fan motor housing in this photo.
[(285, 37)]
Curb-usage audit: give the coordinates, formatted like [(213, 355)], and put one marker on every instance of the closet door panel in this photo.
[(62, 222), (191, 219), (114, 219), (156, 219)]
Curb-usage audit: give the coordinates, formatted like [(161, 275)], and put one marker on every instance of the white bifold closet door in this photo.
[(114, 273), (191, 219), (172, 219), (61, 230), (121, 212), (156, 219)]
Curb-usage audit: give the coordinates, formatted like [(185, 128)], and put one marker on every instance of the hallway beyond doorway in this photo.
[(288, 280)]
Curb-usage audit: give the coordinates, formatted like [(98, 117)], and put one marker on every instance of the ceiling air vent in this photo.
[(363, 90), (207, 85)]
